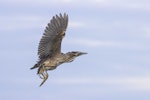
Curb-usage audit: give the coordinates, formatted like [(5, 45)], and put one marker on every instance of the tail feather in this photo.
[(35, 66)]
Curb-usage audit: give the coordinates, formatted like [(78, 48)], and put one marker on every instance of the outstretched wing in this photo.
[(50, 43)]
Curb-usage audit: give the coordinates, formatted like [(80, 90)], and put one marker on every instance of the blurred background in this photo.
[(114, 33)]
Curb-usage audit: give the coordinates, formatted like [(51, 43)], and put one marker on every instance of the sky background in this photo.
[(114, 33)]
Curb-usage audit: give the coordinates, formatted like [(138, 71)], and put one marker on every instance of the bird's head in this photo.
[(72, 55)]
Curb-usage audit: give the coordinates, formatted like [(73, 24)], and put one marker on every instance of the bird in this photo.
[(49, 49)]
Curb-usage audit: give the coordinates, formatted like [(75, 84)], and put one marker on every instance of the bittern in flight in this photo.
[(49, 49)]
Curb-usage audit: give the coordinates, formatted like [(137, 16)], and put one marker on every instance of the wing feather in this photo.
[(50, 43)]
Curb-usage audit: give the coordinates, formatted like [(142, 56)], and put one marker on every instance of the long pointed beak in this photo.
[(83, 53)]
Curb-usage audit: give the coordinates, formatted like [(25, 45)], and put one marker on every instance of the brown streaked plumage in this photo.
[(49, 49)]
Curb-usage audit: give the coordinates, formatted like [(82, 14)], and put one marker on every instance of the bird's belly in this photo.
[(51, 65)]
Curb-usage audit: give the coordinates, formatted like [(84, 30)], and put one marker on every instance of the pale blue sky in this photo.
[(114, 33)]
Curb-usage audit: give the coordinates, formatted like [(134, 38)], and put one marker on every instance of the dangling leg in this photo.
[(41, 73), (44, 76)]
